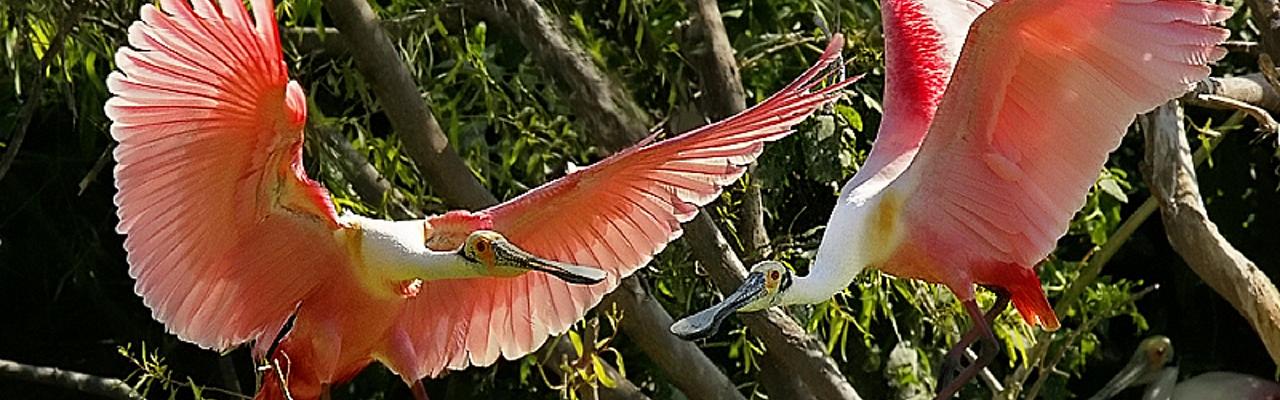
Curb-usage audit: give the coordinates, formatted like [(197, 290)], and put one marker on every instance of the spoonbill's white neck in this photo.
[(861, 232), (397, 251)]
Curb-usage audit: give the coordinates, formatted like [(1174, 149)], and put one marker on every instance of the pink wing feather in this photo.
[(615, 214), (922, 40), (226, 235), (1043, 91)]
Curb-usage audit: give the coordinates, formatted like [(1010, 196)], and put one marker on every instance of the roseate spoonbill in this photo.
[(1147, 366), (228, 238), (1042, 91)]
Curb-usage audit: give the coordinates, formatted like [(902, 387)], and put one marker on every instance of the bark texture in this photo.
[(1170, 173), (539, 31), (96, 385), (722, 96), (378, 61), (397, 92), (586, 87)]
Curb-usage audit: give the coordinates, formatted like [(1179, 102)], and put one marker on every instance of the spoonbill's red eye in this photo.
[(482, 246), (774, 275)]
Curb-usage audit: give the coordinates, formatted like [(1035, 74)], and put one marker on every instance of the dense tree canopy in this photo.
[(518, 118)]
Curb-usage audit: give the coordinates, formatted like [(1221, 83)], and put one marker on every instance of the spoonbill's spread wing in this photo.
[(226, 234), (1043, 91), (922, 40), (615, 214)]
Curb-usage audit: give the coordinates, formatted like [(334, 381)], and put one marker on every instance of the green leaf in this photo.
[(1110, 187), (602, 374), (577, 342)]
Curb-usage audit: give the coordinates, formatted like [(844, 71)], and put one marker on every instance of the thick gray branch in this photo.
[(1266, 16), (1170, 173), (615, 115), (801, 353), (397, 92), (409, 115), (364, 178), (723, 96), (641, 316), (95, 385), (804, 356), (1252, 88)]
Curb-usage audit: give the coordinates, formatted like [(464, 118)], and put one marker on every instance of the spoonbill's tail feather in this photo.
[(225, 234), (1044, 90), (615, 214), (1027, 296)]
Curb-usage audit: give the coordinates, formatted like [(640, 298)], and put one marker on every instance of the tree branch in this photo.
[(409, 115), (642, 316), (1252, 88), (364, 178), (615, 115), (95, 385), (37, 88), (1170, 173), (1266, 16), (722, 96), (803, 355), (397, 92)]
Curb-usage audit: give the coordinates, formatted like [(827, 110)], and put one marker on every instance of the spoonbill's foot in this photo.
[(951, 376)]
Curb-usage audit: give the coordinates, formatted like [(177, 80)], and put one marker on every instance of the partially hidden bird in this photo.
[(998, 118), (228, 239), (1149, 366)]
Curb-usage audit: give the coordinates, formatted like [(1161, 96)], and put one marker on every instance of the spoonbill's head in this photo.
[(493, 255), (763, 288), (1144, 366)]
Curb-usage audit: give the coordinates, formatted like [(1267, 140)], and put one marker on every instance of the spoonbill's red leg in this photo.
[(949, 382), (419, 391)]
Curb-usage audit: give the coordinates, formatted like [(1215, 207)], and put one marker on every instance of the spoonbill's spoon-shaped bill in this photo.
[(227, 237), (991, 138), (1148, 367)]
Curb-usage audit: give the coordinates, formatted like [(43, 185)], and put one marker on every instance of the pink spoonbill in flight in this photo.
[(1148, 367), (992, 135), (228, 238)]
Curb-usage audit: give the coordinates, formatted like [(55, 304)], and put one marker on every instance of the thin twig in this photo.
[(1266, 123), (987, 377), (1050, 366), (750, 62), (37, 88), (96, 168), (1241, 46)]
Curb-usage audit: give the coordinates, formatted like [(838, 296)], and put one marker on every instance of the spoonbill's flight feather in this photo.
[(227, 237), (973, 179)]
